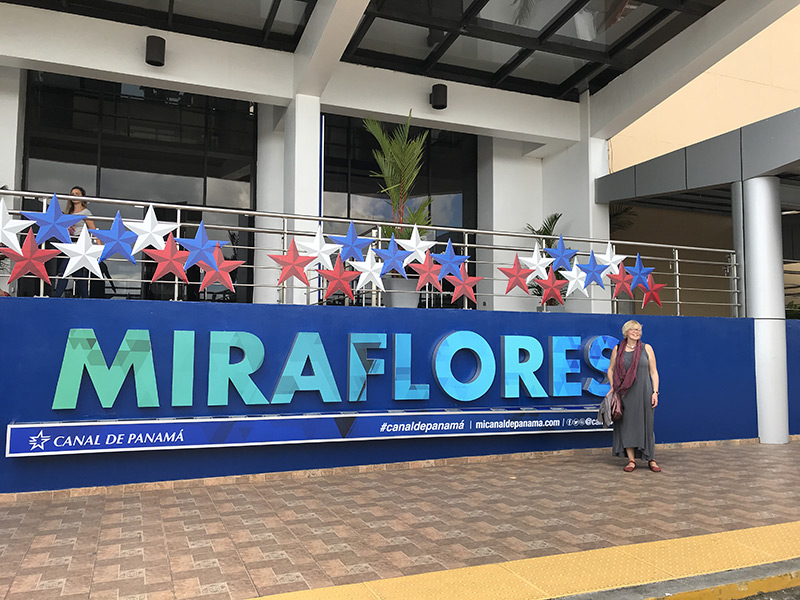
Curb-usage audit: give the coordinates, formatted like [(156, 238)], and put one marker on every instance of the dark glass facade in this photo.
[(138, 143), (449, 175)]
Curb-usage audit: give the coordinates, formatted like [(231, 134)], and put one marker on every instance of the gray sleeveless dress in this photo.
[(635, 429)]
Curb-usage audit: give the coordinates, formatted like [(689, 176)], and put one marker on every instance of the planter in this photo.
[(401, 293)]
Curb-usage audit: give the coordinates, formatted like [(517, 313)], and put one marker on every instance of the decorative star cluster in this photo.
[(550, 268), (379, 262), (545, 270), (124, 237)]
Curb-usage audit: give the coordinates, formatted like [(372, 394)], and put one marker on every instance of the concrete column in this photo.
[(569, 189), (302, 170), (302, 166), (12, 115), (765, 305), (737, 216), (269, 198), (509, 196)]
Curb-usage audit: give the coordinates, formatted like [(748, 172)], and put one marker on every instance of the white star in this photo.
[(538, 262), (9, 228), (416, 246), (38, 441), (576, 278), (370, 271), (319, 250), (611, 259), (82, 254), (150, 231)]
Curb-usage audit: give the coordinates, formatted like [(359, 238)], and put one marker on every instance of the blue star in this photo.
[(352, 245), (117, 240), (393, 258), (53, 223), (594, 271), (640, 273), (561, 255), (450, 261), (200, 248)]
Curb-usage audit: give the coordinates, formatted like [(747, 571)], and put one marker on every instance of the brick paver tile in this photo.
[(283, 534)]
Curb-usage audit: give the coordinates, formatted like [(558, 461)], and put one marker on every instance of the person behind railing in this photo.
[(77, 206), (634, 376)]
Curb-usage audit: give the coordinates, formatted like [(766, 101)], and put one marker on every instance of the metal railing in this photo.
[(699, 281)]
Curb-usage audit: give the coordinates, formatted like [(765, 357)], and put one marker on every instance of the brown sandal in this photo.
[(654, 466), (629, 467)]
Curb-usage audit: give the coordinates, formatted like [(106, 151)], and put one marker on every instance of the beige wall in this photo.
[(759, 80)]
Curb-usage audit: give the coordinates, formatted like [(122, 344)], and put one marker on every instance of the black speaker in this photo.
[(155, 51), (439, 96)]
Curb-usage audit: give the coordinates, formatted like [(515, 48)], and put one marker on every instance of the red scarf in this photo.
[(624, 380)]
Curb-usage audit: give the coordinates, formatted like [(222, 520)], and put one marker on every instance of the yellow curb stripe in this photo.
[(582, 572)]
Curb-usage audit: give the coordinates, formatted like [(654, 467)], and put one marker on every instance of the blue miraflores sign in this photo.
[(178, 390)]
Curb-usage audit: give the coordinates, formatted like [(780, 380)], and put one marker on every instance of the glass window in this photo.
[(133, 142), (478, 54), (245, 13), (550, 68), (401, 39), (448, 175), (605, 21), (533, 14), (290, 16)]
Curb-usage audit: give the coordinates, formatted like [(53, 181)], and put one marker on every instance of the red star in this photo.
[(428, 272), (463, 287), (651, 295), (622, 281), (222, 273), (170, 260), (338, 279), (292, 264), (517, 276), (31, 260), (551, 287)]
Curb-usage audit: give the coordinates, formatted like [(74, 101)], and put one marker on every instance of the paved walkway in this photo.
[(250, 539)]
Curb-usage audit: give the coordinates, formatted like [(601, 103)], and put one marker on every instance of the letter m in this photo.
[(83, 352)]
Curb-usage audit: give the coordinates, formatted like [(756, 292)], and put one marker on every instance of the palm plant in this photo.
[(523, 10), (620, 217), (399, 161), (547, 228)]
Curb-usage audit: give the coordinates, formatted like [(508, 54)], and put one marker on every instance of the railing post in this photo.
[(284, 249), (175, 293), (466, 253), (677, 281), (41, 281)]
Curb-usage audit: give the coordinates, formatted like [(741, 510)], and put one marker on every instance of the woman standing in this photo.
[(77, 206), (633, 375)]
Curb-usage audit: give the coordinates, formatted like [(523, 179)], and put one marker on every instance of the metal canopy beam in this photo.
[(556, 23), (442, 47), (269, 21), (699, 9), (482, 29)]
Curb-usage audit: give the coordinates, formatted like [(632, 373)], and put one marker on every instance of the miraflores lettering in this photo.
[(307, 368)]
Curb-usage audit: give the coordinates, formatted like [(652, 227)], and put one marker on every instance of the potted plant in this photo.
[(546, 229), (400, 158), (399, 162)]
